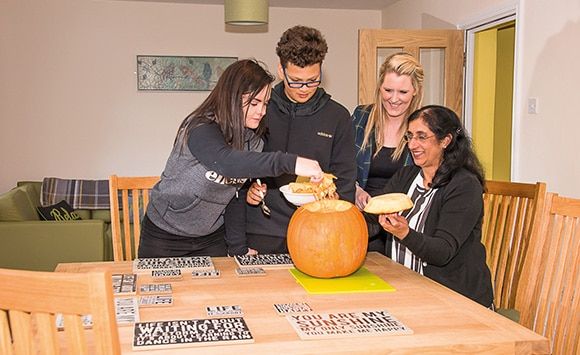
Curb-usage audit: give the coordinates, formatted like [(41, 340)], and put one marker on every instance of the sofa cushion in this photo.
[(15, 205), (510, 313), (61, 211), (33, 192), (103, 215), (84, 213)]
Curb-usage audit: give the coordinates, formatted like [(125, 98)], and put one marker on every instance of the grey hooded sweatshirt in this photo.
[(201, 177)]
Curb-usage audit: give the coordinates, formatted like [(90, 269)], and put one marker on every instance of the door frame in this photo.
[(482, 22), (412, 41)]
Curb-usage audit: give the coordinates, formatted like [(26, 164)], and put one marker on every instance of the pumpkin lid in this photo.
[(328, 206)]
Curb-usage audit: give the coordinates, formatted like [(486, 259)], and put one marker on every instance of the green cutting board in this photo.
[(361, 281)]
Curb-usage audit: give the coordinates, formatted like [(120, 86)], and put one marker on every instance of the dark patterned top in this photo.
[(416, 217)]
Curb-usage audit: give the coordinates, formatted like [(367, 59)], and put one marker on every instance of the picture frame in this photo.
[(180, 73)]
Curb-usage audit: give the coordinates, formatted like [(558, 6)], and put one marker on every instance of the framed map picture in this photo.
[(178, 73)]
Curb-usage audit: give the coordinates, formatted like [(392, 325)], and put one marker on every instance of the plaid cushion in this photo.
[(80, 194)]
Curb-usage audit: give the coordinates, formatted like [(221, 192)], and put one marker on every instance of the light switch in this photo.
[(532, 105)]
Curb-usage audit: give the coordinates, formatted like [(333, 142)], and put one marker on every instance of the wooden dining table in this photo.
[(442, 321)]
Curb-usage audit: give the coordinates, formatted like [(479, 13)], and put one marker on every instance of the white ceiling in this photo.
[(314, 4)]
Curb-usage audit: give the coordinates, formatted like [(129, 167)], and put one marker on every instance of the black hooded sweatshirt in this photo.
[(318, 129)]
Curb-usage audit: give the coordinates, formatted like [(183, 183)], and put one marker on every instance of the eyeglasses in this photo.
[(300, 84), (421, 138)]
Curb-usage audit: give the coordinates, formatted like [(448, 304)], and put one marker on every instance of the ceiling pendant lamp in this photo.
[(246, 12)]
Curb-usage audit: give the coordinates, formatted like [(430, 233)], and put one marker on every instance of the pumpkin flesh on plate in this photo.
[(324, 189)]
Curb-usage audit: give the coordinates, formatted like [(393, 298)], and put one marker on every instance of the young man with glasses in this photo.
[(301, 119)]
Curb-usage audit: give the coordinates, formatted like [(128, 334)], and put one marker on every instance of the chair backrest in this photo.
[(510, 210), (549, 294), (30, 300), (129, 196)]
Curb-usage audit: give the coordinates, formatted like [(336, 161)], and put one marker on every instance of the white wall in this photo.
[(68, 100), (423, 14), (550, 71), (546, 144)]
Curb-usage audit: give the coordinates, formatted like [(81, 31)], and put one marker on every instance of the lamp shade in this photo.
[(246, 12)]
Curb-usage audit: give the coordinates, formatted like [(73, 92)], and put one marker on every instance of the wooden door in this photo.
[(440, 52)]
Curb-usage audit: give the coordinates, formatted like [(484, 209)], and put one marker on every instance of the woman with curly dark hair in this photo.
[(440, 237)]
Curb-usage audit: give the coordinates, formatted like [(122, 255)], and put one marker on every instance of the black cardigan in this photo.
[(450, 247)]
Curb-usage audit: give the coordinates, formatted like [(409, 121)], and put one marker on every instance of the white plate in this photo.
[(297, 199)]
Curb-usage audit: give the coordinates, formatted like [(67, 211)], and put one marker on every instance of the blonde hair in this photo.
[(400, 63)]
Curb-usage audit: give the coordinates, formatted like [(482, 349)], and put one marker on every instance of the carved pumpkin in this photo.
[(328, 238)]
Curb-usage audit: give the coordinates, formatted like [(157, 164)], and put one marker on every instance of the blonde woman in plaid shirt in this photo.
[(379, 128)]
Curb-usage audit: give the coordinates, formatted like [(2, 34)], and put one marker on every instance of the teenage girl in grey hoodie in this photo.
[(217, 148)]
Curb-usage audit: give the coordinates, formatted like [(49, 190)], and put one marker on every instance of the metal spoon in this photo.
[(265, 209)]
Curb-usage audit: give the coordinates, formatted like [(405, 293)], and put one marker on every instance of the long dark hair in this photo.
[(459, 152), (225, 105)]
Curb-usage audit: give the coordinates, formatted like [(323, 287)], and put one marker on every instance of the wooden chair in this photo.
[(30, 300), (549, 294), (131, 196), (510, 212)]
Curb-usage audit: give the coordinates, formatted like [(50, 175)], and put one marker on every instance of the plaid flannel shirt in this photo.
[(360, 118)]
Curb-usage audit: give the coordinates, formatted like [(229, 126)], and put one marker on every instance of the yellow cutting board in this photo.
[(361, 281)]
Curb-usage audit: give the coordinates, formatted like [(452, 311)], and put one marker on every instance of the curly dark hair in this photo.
[(442, 121), (301, 46)]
